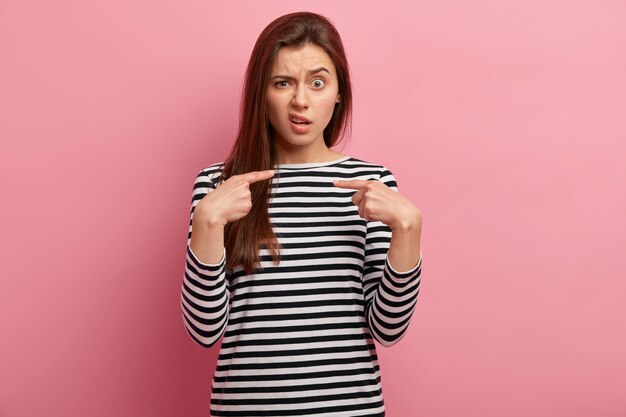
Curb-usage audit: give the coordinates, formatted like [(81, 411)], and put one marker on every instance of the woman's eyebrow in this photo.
[(311, 72)]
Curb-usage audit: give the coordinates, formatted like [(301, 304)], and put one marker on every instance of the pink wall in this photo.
[(504, 123)]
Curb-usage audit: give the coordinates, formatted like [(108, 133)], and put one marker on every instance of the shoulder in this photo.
[(209, 175), (375, 170)]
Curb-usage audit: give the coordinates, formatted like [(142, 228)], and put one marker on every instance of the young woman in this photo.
[(300, 256)]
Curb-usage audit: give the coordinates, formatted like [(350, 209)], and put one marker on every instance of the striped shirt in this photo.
[(298, 337)]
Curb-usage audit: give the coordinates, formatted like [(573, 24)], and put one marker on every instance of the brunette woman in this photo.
[(300, 257)]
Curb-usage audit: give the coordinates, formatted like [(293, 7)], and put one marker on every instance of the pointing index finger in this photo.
[(353, 184), (254, 176)]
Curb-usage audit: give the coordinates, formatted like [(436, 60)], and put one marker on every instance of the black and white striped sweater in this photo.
[(298, 337)]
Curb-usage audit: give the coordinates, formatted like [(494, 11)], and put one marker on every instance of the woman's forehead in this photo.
[(305, 58)]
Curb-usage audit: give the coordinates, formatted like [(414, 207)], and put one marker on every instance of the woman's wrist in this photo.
[(208, 217), (409, 224)]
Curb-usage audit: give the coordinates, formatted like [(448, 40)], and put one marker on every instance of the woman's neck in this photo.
[(306, 156)]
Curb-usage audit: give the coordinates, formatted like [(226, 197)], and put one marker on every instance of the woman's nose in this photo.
[(299, 97)]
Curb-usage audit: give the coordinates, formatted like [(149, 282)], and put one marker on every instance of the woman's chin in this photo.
[(296, 140)]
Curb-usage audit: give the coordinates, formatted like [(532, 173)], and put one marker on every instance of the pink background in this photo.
[(504, 122)]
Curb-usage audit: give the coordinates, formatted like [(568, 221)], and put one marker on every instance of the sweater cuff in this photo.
[(204, 266), (403, 275)]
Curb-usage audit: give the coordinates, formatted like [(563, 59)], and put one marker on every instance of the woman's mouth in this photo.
[(296, 118), (299, 124)]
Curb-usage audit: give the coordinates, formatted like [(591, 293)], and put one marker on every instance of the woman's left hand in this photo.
[(378, 202)]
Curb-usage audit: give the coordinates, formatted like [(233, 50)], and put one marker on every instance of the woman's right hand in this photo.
[(231, 200)]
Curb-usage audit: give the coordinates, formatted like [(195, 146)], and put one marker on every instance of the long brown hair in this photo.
[(254, 147)]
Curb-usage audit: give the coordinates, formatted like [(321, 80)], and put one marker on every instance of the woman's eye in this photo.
[(281, 84), (318, 83)]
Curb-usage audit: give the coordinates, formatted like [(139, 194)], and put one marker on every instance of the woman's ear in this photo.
[(338, 97)]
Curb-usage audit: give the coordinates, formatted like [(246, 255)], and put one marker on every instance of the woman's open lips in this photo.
[(295, 117), (299, 124)]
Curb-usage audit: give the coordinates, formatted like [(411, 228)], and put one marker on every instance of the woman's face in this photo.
[(301, 95)]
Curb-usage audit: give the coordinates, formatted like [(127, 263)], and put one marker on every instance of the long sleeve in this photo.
[(204, 291), (390, 295)]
